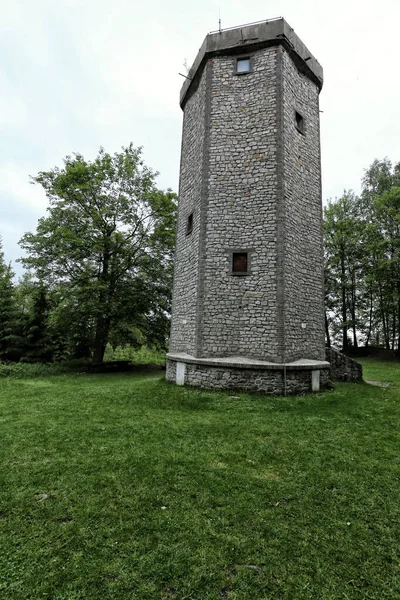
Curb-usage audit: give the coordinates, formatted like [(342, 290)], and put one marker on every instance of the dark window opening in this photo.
[(299, 122), (239, 262), (243, 65), (189, 224)]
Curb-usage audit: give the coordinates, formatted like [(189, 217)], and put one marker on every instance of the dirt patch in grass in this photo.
[(381, 384)]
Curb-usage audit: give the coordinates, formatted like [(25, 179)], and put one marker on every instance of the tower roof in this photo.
[(247, 38)]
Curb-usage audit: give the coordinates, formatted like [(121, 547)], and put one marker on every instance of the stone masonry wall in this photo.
[(252, 182), (184, 308), (343, 368), (170, 371), (303, 269), (239, 313), (266, 382)]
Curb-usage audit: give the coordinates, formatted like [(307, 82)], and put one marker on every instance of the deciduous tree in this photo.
[(107, 242)]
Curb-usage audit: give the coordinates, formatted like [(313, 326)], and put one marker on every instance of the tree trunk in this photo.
[(393, 341), (344, 303), (355, 341), (394, 310), (103, 319), (370, 319), (100, 340), (384, 322), (328, 337), (353, 309), (398, 326)]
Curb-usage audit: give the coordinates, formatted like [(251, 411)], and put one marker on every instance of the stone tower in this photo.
[(248, 286)]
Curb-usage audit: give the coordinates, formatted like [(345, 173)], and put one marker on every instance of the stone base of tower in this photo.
[(239, 373)]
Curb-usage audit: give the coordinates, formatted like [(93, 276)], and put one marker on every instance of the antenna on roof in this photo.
[(219, 19)]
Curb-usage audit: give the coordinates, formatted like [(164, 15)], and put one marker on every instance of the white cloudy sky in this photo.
[(77, 74)]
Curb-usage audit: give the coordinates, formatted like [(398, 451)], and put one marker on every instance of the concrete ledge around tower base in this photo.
[(237, 372)]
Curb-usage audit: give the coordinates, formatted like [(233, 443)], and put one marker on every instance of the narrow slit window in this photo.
[(189, 224), (243, 65), (299, 122), (239, 262)]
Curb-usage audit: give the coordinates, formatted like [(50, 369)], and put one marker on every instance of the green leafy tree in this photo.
[(38, 344), (343, 260), (106, 244), (379, 202), (9, 322), (387, 207), (71, 321), (378, 178), (362, 271)]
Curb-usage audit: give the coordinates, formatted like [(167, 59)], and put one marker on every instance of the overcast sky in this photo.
[(77, 74)]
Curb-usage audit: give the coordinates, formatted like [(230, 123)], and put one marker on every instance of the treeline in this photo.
[(362, 262), (99, 266)]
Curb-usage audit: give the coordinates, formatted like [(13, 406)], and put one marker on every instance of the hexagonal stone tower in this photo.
[(248, 286)]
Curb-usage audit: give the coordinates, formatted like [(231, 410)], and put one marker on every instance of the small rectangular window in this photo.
[(243, 65), (189, 224), (299, 122), (239, 262)]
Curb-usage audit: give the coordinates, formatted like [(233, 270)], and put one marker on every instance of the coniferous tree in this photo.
[(9, 334), (38, 345)]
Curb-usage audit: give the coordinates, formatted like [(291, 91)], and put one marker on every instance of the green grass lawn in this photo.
[(126, 487)]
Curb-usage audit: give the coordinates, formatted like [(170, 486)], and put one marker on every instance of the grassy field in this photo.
[(126, 487)]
